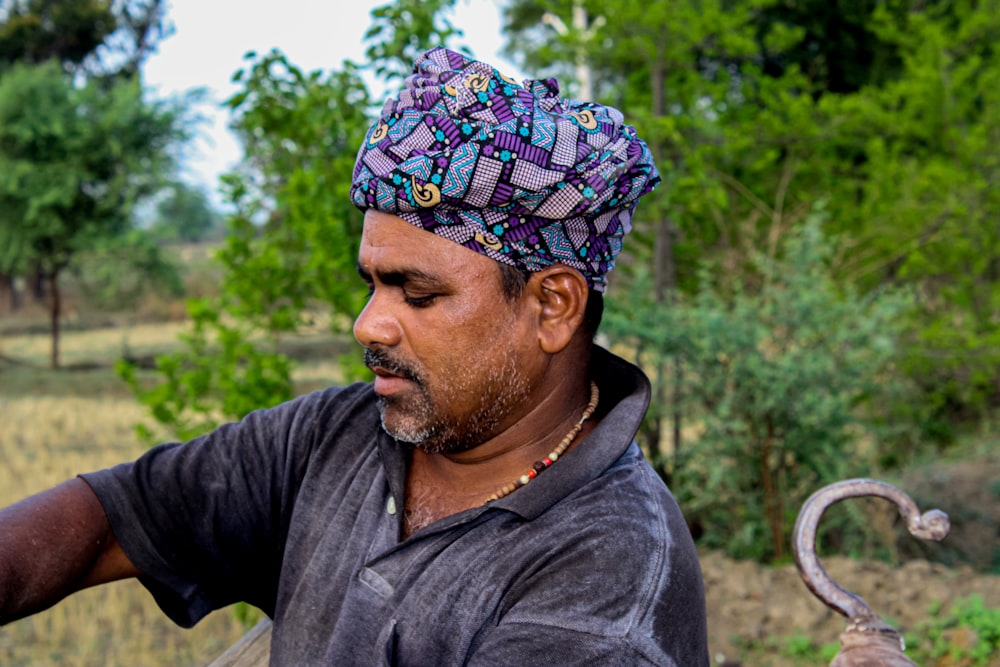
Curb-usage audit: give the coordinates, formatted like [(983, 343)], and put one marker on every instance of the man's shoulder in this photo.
[(613, 559), (332, 420), (630, 502)]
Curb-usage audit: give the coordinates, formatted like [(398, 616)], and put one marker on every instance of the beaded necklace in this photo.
[(541, 466)]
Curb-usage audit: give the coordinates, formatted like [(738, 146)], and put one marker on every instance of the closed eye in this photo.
[(420, 301), (412, 301), (409, 280)]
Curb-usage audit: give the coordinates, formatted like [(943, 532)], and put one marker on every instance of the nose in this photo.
[(376, 325)]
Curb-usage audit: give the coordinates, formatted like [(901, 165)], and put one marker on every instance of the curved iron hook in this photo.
[(931, 525)]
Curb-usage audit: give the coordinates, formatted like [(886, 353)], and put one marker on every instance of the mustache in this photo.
[(381, 359)]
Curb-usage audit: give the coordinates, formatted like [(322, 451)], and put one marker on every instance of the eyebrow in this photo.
[(399, 277)]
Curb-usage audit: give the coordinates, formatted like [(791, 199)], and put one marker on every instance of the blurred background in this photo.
[(814, 288)]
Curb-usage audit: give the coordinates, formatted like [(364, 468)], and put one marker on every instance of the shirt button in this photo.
[(390, 506)]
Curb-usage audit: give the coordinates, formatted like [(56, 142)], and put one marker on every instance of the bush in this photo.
[(969, 634), (776, 378)]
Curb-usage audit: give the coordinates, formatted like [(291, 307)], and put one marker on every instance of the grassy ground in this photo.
[(55, 424), (43, 441)]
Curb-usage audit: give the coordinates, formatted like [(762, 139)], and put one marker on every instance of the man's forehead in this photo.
[(389, 244), (385, 232), (399, 273)]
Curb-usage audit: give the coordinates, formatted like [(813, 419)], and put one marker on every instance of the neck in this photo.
[(442, 484), (531, 435)]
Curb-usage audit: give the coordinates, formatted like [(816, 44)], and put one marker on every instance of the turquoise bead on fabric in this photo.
[(510, 170)]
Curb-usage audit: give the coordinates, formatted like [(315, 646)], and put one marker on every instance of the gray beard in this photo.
[(426, 430)]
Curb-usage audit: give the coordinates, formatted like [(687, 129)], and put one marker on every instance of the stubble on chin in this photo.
[(423, 423), (406, 420), (412, 423)]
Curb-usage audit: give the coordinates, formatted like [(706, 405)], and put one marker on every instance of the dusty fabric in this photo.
[(511, 170), (297, 509)]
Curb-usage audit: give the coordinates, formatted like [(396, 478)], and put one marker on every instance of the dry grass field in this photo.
[(55, 424)]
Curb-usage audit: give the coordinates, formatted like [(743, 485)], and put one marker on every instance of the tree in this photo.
[(295, 223), (291, 246), (402, 30), (99, 45), (118, 272), (758, 109), (35, 31), (685, 74), (925, 201), (141, 25), (96, 38), (776, 378), (73, 163), (185, 214), (836, 46)]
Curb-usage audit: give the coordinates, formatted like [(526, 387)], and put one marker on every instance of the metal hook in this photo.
[(931, 525)]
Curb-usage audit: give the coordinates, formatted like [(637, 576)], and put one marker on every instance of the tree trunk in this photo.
[(649, 430), (665, 288), (37, 284), (678, 417), (54, 310), (772, 499), (583, 73), (9, 283)]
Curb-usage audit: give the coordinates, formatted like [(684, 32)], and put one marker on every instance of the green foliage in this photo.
[(802, 646), (775, 372), (725, 135), (291, 246), (836, 47), (185, 214), (101, 38), (74, 161), (221, 374), (968, 634), (928, 207), (799, 648), (247, 615), (756, 110), (120, 271), (404, 29), (294, 238), (34, 31)]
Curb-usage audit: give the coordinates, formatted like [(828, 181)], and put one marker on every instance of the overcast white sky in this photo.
[(211, 37)]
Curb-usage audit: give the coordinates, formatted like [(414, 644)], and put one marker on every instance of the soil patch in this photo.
[(750, 604)]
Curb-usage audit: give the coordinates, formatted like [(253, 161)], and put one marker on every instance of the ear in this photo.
[(561, 294)]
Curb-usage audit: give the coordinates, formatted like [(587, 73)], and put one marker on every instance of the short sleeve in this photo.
[(206, 520)]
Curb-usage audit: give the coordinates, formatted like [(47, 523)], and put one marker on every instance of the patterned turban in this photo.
[(512, 171)]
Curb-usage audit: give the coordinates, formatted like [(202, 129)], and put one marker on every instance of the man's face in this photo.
[(449, 351)]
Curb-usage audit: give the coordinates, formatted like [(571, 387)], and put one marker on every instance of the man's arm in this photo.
[(53, 544)]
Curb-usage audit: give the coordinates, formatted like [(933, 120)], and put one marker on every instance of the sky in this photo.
[(211, 36)]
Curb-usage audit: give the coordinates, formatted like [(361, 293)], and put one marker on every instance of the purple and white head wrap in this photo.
[(512, 171)]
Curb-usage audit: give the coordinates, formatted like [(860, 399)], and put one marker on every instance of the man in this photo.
[(483, 501)]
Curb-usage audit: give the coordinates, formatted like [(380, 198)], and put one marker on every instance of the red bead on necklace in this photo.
[(541, 466)]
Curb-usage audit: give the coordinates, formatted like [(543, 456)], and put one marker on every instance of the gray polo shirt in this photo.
[(297, 510)]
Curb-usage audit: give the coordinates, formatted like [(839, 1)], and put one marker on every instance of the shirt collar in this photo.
[(625, 395)]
